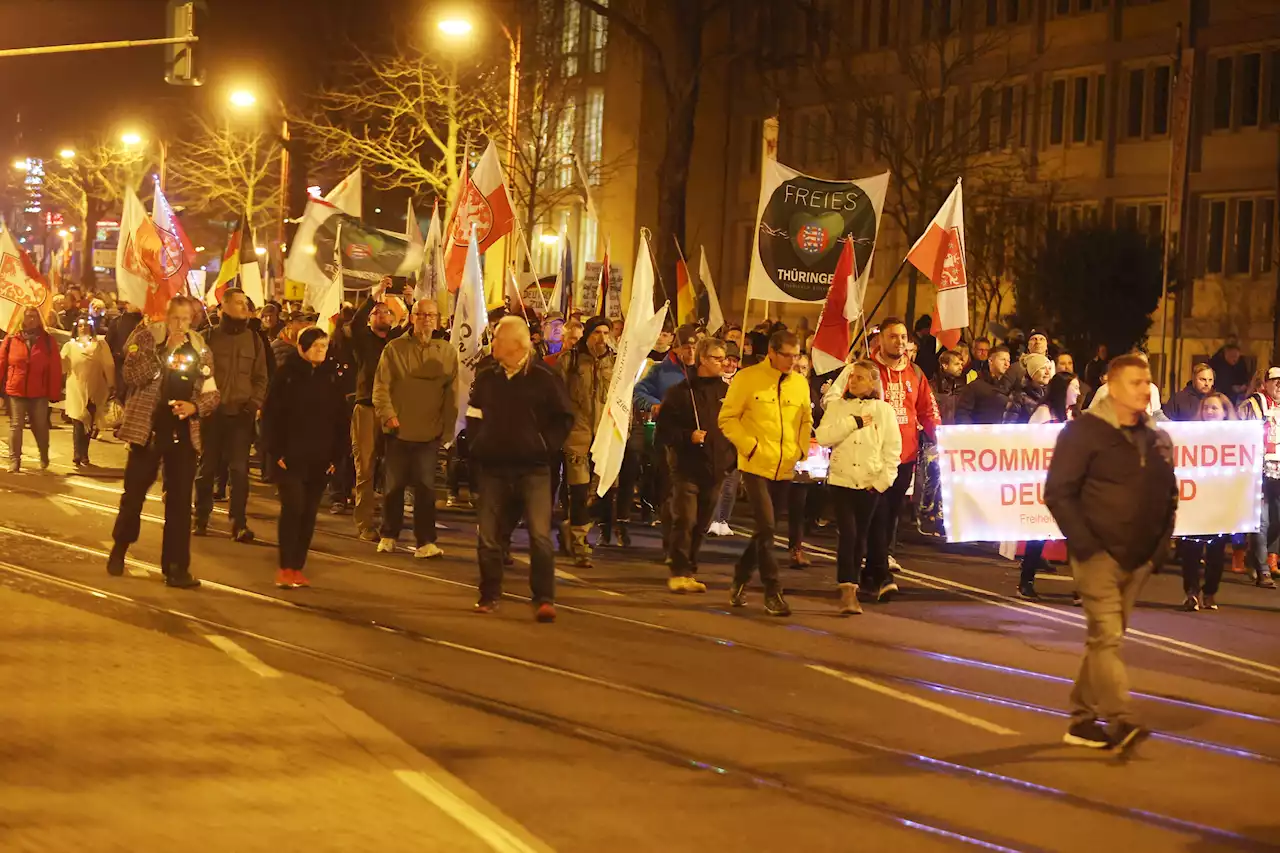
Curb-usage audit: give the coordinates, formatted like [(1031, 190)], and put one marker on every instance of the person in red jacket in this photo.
[(31, 369)]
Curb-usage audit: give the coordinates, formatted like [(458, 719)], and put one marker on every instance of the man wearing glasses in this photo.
[(699, 456), (415, 401), (767, 416), (371, 330)]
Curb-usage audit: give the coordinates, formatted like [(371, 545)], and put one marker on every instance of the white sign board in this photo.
[(993, 479)]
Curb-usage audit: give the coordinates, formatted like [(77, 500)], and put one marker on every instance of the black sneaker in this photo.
[(1028, 591), (1125, 736), (199, 528), (1087, 733), (776, 605), (243, 535), (887, 590), (183, 581), (624, 537), (115, 562), (738, 594)]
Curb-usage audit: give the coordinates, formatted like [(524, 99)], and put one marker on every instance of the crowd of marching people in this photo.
[(363, 418)]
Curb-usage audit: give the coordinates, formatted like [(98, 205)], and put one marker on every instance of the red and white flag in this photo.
[(176, 258), (939, 254), (21, 285), (140, 278), (483, 203), (831, 341)]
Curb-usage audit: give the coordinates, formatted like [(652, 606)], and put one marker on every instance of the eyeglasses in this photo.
[(714, 357), (435, 314), (791, 355)]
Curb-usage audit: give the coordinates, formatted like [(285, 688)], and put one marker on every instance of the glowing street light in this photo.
[(549, 239), (131, 138), (63, 233), (455, 27), (243, 99), (20, 165), (66, 153)]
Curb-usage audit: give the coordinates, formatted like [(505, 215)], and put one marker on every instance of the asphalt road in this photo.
[(644, 720)]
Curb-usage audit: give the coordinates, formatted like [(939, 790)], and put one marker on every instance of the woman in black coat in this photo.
[(305, 432)]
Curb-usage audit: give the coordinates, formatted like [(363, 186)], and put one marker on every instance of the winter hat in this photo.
[(1035, 362), (592, 323), (732, 350), (1038, 330), (686, 334)]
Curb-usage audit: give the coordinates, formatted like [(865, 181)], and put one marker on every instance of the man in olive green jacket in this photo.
[(415, 399)]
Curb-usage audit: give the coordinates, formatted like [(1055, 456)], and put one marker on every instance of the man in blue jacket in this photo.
[(650, 391)]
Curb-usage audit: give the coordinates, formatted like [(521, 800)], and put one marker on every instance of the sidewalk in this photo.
[(118, 738)]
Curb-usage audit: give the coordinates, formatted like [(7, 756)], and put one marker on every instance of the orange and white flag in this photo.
[(484, 203), (939, 254), (140, 275)]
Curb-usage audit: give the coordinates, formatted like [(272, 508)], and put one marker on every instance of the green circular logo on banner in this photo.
[(803, 230)]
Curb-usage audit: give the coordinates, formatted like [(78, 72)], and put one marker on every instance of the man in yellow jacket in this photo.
[(767, 415)]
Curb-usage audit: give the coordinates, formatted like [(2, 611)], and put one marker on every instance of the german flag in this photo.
[(230, 265)]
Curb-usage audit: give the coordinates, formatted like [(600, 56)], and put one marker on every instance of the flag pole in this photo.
[(869, 314), (657, 271), (688, 272)]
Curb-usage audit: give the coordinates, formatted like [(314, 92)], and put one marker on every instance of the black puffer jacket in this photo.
[(1185, 405), (1112, 488), (947, 390), (304, 420), (1024, 402), (984, 400), (706, 463)]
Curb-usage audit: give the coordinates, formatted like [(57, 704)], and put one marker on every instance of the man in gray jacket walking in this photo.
[(240, 372), (415, 399)]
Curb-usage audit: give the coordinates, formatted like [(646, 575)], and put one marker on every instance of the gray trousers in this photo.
[(1109, 594), (36, 410)]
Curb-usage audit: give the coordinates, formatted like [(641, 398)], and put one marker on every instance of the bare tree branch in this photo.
[(228, 170)]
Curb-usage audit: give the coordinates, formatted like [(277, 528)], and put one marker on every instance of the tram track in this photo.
[(814, 795)]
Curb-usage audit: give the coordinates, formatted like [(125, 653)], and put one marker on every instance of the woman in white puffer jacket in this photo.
[(862, 431)]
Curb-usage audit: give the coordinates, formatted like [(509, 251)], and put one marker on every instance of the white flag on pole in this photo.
[(715, 317), (469, 321)]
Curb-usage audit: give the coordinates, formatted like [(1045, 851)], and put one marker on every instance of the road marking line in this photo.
[(481, 825), (242, 656), (565, 576), (875, 687)]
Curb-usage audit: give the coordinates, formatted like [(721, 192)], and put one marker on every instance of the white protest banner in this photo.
[(801, 225), (589, 297), (993, 479)]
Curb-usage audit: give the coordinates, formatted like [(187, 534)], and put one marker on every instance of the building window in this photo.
[(1127, 217), (993, 12), (1100, 108), (565, 132), (1160, 100), (1012, 11), (1273, 103), (1024, 107), (755, 133), (593, 134), (1086, 5), (1056, 110), (926, 18), (1222, 93), (885, 13), (1242, 238), (984, 119), (1250, 89), (864, 31), (1155, 222), (1063, 7), (1006, 116), (1080, 110), (1266, 234), (570, 39), (1216, 233), (599, 40), (1137, 83)]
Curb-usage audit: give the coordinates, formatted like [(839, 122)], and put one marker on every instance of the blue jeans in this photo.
[(505, 495), (410, 463), (1267, 539)]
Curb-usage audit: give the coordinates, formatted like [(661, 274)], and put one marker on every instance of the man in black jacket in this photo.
[(984, 400), (521, 414), (1112, 490), (240, 371), (371, 331), (698, 456)]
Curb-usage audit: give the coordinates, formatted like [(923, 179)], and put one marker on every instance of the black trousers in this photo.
[(225, 439), (855, 512), (692, 506), (300, 494), (173, 448), (1032, 559), (1214, 554), (804, 504), (410, 464), (883, 526), (763, 496)]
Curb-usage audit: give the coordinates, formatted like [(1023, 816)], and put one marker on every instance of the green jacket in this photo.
[(587, 379), (416, 382)]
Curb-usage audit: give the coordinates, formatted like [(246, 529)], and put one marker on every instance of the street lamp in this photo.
[(130, 138), (66, 153), (455, 27), (244, 99), (20, 165)]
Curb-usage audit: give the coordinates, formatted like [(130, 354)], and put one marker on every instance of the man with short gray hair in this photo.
[(522, 417)]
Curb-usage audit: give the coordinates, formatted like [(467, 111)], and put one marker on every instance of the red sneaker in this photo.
[(284, 579), (546, 612), (299, 579), (486, 606)]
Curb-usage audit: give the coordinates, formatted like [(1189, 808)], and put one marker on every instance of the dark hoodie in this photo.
[(946, 390), (304, 420), (1185, 405), (706, 463)]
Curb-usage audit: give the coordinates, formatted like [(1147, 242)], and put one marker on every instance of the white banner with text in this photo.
[(993, 479)]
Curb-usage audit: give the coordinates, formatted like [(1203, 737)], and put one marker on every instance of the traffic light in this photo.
[(184, 63)]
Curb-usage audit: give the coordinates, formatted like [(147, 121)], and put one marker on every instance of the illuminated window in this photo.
[(599, 39), (1056, 110), (565, 133), (570, 39), (593, 135)]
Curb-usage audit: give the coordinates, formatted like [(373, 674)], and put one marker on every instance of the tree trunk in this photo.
[(93, 212), (673, 182)]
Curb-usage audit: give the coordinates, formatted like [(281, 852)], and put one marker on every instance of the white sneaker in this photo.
[(722, 528), (894, 565), (428, 551), (386, 546)]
